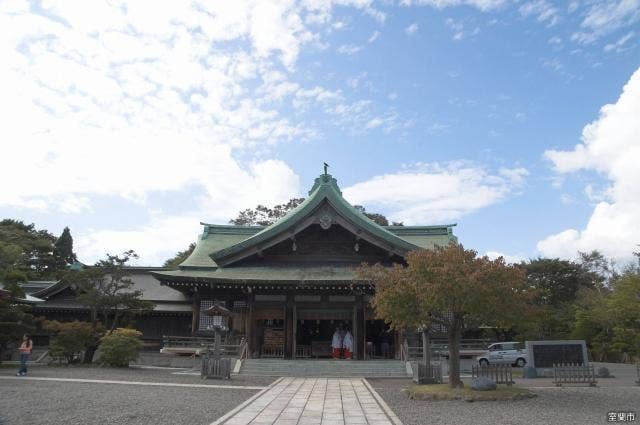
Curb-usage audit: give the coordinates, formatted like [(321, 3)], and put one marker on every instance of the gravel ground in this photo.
[(37, 402), (567, 405), (136, 374), (70, 403)]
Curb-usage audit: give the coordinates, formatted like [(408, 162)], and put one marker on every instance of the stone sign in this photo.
[(544, 354)]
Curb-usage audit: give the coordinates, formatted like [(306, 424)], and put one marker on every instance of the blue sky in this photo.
[(131, 123)]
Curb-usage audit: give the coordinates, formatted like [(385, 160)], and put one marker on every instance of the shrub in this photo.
[(120, 347), (70, 339)]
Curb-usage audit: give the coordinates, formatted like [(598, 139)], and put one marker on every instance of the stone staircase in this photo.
[(324, 368)]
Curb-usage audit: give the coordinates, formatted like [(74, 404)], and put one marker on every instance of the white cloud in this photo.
[(349, 49), (484, 5), (412, 29), (116, 99), (611, 146), (432, 193), (542, 10), (618, 46), (373, 37), (606, 17), (459, 31), (511, 259)]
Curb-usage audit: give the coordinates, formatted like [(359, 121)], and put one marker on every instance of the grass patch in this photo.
[(445, 392)]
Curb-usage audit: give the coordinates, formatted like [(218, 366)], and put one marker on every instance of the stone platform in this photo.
[(313, 401)]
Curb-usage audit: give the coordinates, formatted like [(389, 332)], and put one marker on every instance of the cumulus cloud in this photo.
[(512, 259), (610, 146), (129, 99), (433, 193)]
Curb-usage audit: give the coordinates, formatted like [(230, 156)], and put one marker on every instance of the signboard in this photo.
[(544, 354)]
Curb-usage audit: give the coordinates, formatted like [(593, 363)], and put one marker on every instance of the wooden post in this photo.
[(288, 327), (249, 326), (195, 309)]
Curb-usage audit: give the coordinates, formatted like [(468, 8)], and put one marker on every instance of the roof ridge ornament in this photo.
[(325, 168)]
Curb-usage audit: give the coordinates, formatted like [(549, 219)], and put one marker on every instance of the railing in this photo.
[(243, 349), (215, 367), (303, 351), (272, 351), (196, 345), (420, 375), (574, 374), (404, 351), (500, 374), (440, 348)]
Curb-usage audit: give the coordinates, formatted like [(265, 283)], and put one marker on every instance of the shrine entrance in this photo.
[(315, 328)]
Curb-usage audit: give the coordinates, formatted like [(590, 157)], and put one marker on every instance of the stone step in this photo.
[(325, 368)]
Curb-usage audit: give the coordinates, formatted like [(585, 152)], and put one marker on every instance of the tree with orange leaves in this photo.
[(452, 287)]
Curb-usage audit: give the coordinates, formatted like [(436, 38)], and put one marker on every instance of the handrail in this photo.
[(243, 350)]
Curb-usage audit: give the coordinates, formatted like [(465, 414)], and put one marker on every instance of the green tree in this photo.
[(264, 216), (593, 322), (24, 248), (452, 287), (108, 292), (120, 347), (71, 338), (557, 283), (174, 262), (624, 307), (64, 248), (15, 318)]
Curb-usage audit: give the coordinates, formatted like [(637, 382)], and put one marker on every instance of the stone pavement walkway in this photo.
[(313, 401)]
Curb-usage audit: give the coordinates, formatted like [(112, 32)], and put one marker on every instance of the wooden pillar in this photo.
[(195, 309), (360, 335), (288, 327), (249, 326)]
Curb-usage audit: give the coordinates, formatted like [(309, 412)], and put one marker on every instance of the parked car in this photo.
[(504, 353)]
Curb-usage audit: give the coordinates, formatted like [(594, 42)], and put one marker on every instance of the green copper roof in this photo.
[(220, 241), (214, 238), (324, 189), (266, 273)]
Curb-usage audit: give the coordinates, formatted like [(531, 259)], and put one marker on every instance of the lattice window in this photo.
[(207, 322)]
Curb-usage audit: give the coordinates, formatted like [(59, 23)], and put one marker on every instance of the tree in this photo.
[(263, 216), (24, 248), (64, 248), (452, 287), (624, 307), (71, 338), (15, 318), (174, 262), (107, 291), (377, 217), (120, 347), (557, 283)]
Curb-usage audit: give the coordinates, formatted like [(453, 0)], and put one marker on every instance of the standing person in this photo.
[(25, 353), (336, 344), (348, 345)]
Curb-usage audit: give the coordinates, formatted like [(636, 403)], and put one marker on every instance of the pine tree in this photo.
[(64, 248)]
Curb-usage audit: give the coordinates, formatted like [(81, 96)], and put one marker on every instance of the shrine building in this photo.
[(290, 285)]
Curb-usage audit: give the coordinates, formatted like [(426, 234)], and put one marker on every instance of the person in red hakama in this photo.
[(347, 343), (336, 344)]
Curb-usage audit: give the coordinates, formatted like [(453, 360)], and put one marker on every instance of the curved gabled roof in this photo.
[(325, 189)]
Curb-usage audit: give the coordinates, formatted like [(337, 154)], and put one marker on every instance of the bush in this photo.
[(120, 347), (70, 339)]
